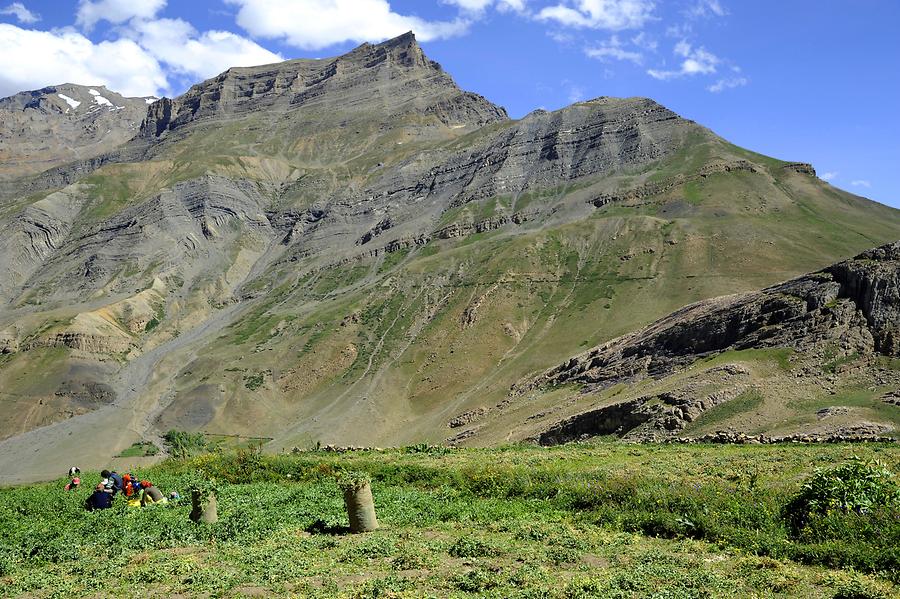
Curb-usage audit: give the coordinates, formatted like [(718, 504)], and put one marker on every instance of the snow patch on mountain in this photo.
[(100, 99), (73, 103)]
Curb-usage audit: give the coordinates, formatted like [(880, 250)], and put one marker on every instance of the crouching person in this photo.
[(99, 499), (150, 494)]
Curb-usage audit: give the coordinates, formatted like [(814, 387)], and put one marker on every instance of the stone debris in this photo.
[(850, 435), (467, 417)]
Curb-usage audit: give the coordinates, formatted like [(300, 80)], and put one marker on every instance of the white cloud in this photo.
[(22, 14), (600, 14), (561, 37), (479, 6), (613, 49), (728, 83), (515, 5), (695, 61), (315, 24), (861, 183), (706, 8), (139, 62), (65, 56), (176, 43), (829, 176), (645, 42), (91, 12)]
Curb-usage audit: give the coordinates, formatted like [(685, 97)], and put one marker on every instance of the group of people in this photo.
[(136, 492)]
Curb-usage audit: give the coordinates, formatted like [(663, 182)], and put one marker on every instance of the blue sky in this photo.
[(816, 81)]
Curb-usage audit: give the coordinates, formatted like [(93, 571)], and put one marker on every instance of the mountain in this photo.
[(56, 125), (354, 250)]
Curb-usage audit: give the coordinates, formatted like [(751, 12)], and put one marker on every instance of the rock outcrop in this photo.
[(872, 282), (393, 78), (854, 302), (852, 305)]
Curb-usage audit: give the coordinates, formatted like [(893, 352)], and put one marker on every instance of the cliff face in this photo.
[(855, 301), (872, 281), (393, 79)]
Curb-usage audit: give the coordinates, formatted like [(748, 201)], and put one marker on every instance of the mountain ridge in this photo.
[(68, 122)]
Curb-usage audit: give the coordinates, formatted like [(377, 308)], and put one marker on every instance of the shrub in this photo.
[(469, 547), (857, 588), (476, 580), (858, 486)]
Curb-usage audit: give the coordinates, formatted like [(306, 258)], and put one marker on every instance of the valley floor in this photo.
[(586, 520)]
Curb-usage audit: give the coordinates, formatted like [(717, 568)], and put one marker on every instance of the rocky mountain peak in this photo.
[(73, 100), (378, 80), (403, 50)]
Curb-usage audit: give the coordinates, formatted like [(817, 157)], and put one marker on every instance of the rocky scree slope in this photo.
[(354, 250)]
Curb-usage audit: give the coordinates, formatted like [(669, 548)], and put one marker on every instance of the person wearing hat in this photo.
[(99, 499)]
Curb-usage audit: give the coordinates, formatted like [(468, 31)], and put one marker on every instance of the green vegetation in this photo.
[(695, 152), (254, 381), (600, 520), (139, 450), (745, 402), (151, 324), (392, 259), (253, 326), (109, 193), (780, 355), (182, 444), (692, 192), (833, 365), (858, 487), (353, 480), (332, 279), (158, 317)]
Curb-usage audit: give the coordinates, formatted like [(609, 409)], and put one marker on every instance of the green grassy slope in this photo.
[(602, 520)]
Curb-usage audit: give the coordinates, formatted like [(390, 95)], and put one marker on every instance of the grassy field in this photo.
[(598, 520)]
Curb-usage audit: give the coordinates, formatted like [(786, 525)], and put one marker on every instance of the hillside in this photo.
[(355, 251), (818, 355)]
